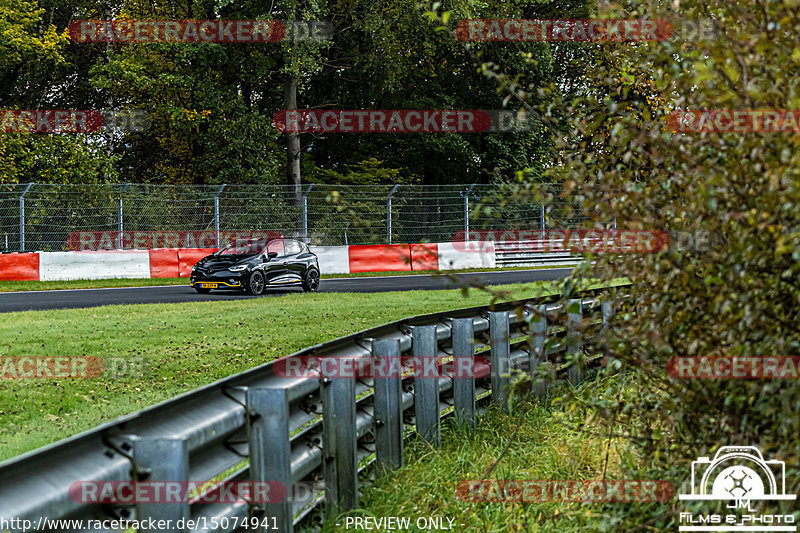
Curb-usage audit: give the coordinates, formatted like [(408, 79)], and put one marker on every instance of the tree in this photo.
[(734, 291)]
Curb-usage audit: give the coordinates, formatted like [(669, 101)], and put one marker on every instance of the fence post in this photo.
[(538, 353), (305, 212), (542, 219), (120, 226), (271, 451), (22, 217), (216, 213), (500, 357), (389, 214), (162, 459), (339, 444), (575, 342), (388, 407), (463, 364), (426, 388), (466, 210)]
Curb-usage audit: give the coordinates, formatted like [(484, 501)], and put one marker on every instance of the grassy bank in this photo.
[(557, 440), (184, 346)]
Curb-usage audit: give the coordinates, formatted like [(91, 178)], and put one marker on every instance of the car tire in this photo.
[(256, 284), (202, 291), (311, 280)]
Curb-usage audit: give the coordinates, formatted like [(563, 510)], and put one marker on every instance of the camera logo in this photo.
[(738, 473)]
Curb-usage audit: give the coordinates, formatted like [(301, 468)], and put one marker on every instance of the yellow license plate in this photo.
[(208, 285)]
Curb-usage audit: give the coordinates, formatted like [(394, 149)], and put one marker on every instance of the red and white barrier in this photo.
[(452, 257), (332, 259), (19, 267), (58, 266), (177, 262), (379, 257)]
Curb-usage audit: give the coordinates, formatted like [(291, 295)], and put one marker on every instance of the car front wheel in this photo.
[(256, 284), (311, 280)]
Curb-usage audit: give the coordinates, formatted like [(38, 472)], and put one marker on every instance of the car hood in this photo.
[(221, 262)]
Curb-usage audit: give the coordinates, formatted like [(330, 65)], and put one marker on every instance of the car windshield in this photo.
[(244, 247)]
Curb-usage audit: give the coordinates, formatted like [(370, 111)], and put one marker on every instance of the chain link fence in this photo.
[(45, 217)]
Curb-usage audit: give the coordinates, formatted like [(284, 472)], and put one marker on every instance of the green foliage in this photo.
[(21, 41), (367, 172), (739, 297), (212, 105), (26, 157)]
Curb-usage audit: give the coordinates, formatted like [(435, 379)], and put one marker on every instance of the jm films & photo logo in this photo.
[(739, 477)]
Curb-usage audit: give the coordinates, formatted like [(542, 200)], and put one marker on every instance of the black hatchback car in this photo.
[(255, 265)]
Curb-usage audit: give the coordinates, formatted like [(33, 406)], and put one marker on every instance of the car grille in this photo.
[(211, 269)]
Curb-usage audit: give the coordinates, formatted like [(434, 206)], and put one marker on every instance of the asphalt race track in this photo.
[(76, 298)]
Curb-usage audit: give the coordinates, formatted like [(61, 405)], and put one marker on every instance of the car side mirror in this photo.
[(272, 255)]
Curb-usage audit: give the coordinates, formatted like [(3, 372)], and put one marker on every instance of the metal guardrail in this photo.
[(302, 432), (531, 253), (536, 252)]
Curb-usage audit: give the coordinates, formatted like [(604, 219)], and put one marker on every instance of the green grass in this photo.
[(16, 286), (186, 345), (434, 272), (557, 441)]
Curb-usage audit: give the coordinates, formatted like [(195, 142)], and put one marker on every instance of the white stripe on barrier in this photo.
[(452, 258), (59, 266), (332, 259)]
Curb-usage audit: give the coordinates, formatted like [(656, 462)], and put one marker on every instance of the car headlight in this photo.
[(237, 268)]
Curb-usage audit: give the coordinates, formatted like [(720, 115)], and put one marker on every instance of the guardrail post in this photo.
[(538, 350), (271, 451), (500, 357), (463, 363), (339, 444), (608, 313), (426, 388), (575, 342), (162, 459), (388, 412)]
